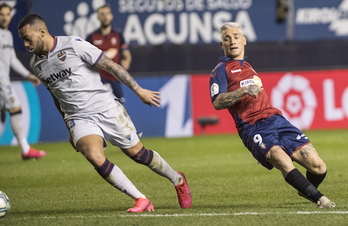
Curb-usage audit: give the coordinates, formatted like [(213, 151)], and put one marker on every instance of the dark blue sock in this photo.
[(105, 169)]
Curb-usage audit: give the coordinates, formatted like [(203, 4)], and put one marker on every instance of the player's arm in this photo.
[(19, 68), (126, 59), (147, 96), (228, 99)]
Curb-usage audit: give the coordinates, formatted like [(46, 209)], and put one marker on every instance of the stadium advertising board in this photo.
[(309, 99), (157, 22)]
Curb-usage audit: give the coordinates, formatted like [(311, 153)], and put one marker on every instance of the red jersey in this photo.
[(230, 75), (104, 42)]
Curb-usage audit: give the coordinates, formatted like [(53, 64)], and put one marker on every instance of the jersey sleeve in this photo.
[(123, 44), (218, 81), (89, 38), (86, 51)]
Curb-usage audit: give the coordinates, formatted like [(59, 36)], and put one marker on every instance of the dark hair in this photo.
[(30, 19), (4, 5), (104, 6)]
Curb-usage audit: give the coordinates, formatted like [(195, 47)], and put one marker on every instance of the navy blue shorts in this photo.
[(275, 130)]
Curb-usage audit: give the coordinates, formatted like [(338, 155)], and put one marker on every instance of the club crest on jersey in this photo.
[(62, 56)]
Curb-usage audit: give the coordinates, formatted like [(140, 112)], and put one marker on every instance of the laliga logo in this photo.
[(296, 99)]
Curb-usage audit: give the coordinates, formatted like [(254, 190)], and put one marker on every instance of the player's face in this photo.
[(5, 17), (105, 16), (32, 39), (233, 43)]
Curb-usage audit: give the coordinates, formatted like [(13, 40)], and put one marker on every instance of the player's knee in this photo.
[(144, 156), (95, 158), (317, 166), (15, 111)]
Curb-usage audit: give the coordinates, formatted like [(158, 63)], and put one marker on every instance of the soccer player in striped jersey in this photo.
[(271, 139), (8, 98), (66, 66)]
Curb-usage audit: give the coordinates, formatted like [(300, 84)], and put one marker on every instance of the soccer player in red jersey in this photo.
[(111, 41), (270, 138)]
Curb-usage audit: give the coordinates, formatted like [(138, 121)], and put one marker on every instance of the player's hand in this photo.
[(111, 53), (33, 79), (254, 90), (149, 97)]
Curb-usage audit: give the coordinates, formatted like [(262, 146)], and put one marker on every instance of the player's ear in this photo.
[(244, 40), (221, 45), (42, 32)]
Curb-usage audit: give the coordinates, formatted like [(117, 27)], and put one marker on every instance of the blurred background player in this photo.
[(272, 140), (111, 41), (8, 98)]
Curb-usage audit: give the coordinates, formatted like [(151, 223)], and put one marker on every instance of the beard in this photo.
[(39, 48), (105, 25)]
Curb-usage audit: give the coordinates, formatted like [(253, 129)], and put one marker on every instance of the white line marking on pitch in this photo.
[(232, 214), (188, 215)]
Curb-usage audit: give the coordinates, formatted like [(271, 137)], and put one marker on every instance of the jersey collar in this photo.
[(226, 59), (54, 44)]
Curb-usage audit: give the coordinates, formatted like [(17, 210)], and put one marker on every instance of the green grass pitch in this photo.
[(228, 186)]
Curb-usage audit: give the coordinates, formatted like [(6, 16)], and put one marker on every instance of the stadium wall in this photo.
[(309, 99), (304, 71)]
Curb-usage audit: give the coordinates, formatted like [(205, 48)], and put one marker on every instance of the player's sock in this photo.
[(16, 125), (157, 164), (315, 179), (114, 175), (298, 181), (161, 167)]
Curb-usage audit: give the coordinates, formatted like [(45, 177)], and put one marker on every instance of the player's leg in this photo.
[(156, 163), (281, 161), (91, 147), (11, 103), (16, 122), (2, 113), (124, 136), (308, 157), (17, 128)]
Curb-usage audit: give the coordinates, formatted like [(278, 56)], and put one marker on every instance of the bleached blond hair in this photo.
[(228, 25)]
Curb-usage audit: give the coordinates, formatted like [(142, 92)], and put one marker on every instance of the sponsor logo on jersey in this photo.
[(254, 81), (98, 42), (4, 46), (62, 56), (58, 75)]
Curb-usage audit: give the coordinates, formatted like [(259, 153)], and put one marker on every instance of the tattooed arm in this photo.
[(226, 100), (147, 96)]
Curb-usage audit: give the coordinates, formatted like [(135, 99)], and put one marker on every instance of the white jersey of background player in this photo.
[(65, 65), (8, 98)]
